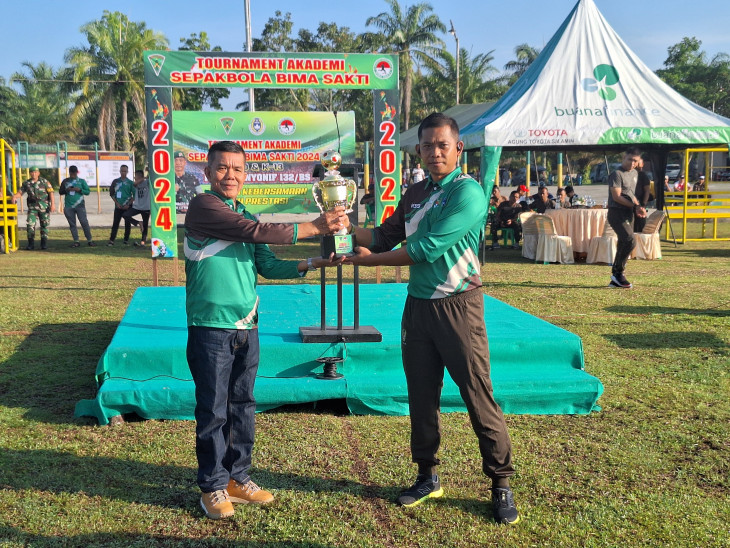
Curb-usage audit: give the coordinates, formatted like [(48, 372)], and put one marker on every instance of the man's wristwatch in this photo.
[(310, 264)]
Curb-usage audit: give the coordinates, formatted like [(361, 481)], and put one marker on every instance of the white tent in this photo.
[(588, 88)]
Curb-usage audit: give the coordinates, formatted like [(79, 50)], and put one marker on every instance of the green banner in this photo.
[(271, 70), (668, 135), (283, 151), (387, 153), (163, 223)]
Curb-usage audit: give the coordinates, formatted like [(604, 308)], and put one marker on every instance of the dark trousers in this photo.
[(639, 224), (145, 213), (621, 220), (78, 212), (450, 333), (118, 215), (223, 363)]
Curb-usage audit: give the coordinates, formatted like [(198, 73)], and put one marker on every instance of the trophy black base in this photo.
[(364, 333)]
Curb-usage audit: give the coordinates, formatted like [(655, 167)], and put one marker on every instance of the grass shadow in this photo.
[(632, 309), (52, 368), (667, 339)]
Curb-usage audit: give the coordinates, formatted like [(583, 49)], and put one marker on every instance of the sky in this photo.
[(42, 30)]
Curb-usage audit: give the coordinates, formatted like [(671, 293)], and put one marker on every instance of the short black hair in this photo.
[(513, 193), (73, 169), (139, 172), (225, 146), (633, 151), (569, 188), (438, 119)]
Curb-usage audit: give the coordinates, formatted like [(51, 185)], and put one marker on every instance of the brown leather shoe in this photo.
[(217, 504), (248, 492)]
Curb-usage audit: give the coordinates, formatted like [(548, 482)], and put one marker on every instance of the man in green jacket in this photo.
[(225, 251), (74, 207), (442, 220)]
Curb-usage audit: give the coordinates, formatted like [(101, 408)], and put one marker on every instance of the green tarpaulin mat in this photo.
[(537, 368)]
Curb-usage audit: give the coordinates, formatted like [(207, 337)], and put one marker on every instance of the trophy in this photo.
[(332, 191)]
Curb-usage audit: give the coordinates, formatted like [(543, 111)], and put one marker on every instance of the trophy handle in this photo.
[(317, 195), (351, 194)]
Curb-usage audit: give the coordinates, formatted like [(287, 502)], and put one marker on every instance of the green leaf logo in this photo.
[(604, 76)]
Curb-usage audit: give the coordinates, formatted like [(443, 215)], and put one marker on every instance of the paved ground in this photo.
[(104, 218)]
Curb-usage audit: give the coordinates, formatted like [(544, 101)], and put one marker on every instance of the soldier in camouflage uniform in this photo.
[(41, 204)]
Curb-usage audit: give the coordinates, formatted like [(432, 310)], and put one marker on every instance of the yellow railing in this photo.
[(705, 205), (8, 210)]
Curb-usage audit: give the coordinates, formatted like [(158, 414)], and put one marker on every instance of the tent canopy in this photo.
[(588, 89), (463, 114)]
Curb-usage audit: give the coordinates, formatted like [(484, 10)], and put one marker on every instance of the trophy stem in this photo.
[(323, 296), (339, 297), (356, 297)]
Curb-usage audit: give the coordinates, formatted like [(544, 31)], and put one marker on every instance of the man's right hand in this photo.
[(332, 221)]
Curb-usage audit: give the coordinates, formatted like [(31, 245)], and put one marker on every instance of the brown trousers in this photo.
[(450, 332)]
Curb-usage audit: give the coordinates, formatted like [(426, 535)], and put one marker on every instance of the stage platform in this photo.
[(537, 368)]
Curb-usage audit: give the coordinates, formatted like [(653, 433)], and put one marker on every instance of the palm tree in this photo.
[(475, 86), (524, 56), (412, 34), (111, 73), (39, 111)]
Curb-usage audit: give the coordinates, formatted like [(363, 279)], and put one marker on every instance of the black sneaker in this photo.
[(426, 487), (503, 506), (620, 282)]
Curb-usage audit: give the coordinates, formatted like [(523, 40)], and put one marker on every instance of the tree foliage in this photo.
[(412, 33), (110, 72), (704, 82), (39, 110), (196, 98)]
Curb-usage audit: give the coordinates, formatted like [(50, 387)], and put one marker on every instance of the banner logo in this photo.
[(634, 134), (156, 60), (287, 126), (383, 68), (227, 124), (605, 76), (159, 111), (257, 126)]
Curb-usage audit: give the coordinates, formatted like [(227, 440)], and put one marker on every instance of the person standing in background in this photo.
[(41, 204), (74, 206), (141, 204), (122, 192)]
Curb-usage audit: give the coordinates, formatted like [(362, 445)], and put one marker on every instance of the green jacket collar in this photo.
[(446, 180)]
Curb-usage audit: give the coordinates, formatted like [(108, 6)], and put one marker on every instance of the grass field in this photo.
[(651, 469)]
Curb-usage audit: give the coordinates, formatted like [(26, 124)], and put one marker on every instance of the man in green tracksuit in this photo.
[(225, 251), (442, 220), (75, 188)]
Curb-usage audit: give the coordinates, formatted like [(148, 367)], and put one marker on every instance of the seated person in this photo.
[(679, 185), (699, 186), (368, 197), (572, 196), (562, 199), (542, 201), (497, 196), (508, 216), (666, 184)]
